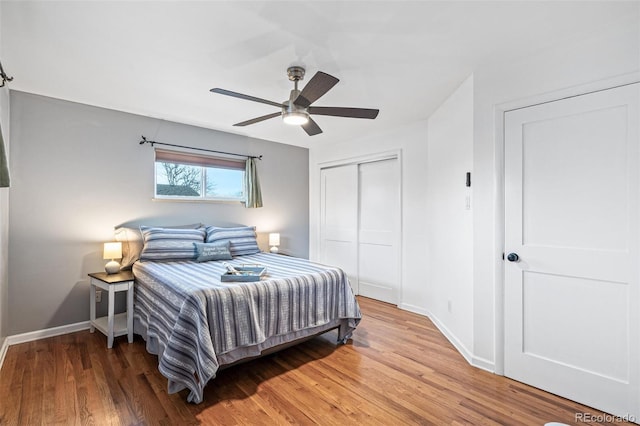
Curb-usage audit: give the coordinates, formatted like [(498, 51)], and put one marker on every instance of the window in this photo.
[(198, 177)]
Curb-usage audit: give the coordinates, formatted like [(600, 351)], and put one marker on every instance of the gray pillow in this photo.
[(164, 244), (212, 251), (242, 239), (132, 243)]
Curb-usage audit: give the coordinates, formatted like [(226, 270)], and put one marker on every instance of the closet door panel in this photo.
[(339, 220), (378, 248)]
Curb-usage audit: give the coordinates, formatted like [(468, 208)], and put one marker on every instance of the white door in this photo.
[(339, 219), (571, 215), (379, 216)]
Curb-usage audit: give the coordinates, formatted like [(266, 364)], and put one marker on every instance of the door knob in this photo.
[(513, 257)]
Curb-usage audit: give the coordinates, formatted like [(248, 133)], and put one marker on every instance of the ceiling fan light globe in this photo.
[(295, 118)]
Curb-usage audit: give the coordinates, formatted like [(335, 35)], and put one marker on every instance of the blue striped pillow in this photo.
[(170, 244), (242, 239)]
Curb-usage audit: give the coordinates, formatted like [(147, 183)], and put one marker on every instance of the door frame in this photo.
[(368, 158), (499, 197)]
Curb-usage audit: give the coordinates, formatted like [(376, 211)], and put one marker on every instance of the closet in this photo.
[(360, 224)]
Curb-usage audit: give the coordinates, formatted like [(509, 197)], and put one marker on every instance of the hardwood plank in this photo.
[(397, 369)]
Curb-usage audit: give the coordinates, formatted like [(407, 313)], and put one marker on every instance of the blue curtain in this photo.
[(4, 167), (252, 185)]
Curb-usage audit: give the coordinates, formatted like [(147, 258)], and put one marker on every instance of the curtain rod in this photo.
[(144, 140)]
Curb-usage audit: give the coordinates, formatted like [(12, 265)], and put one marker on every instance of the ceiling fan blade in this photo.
[(345, 112), (259, 119), (247, 97), (311, 127), (319, 84)]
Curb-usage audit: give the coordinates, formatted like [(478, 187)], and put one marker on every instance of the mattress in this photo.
[(195, 323)]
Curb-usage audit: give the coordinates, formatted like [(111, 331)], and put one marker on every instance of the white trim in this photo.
[(499, 144), (484, 364), (400, 230), (415, 309), (368, 158), (475, 361), (498, 226), (3, 351), (393, 154), (47, 332), (583, 89), (40, 334), (460, 347)]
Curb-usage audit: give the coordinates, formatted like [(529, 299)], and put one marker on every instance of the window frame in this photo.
[(203, 162)]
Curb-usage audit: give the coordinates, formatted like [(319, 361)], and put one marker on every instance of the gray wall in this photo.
[(4, 220), (4, 226), (78, 171)]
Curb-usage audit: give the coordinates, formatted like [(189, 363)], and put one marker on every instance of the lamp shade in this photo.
[(274, 239), (112, 251)]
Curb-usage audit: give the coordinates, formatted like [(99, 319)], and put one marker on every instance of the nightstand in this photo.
[(112, 325)]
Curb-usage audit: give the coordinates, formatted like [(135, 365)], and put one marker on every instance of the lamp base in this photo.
[(274, 249), (112, 267)]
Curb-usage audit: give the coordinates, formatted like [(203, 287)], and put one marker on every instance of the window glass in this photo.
[(224, 183), (205, 182), (178, 180)]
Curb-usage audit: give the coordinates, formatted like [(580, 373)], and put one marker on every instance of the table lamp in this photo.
[(112, 251), (274, 242)]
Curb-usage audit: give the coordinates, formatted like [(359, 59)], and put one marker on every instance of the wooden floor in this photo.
[(398, 369)]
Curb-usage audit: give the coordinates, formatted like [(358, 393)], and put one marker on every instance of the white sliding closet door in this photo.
[(339, 219), (379, 218), (360, 225)]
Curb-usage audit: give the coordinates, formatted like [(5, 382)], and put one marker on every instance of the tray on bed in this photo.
[(248, 273)]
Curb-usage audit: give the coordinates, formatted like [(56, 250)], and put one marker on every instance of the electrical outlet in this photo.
[(98, 296)]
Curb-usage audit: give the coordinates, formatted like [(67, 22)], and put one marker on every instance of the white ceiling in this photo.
[(160, 58)]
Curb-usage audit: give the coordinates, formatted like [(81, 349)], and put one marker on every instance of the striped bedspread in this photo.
[(195, 323)]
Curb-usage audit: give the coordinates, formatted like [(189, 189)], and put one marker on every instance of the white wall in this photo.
[(449, 224), (78, 171), (412, 141), (584, 59)]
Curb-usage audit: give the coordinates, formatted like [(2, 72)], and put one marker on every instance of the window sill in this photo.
[(191, 200)]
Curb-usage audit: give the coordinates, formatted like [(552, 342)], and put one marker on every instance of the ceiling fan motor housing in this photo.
[(292, 113)]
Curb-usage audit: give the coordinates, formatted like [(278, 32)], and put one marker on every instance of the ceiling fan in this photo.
[(297, 109)]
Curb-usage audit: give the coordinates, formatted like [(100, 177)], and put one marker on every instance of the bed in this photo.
[(197, 324)]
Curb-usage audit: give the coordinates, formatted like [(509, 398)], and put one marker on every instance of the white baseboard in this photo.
[(478, 362), (415, 309), (40, 334), (3, 351), (468, 355), (47, 332), (460, 347), (484, 364)]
